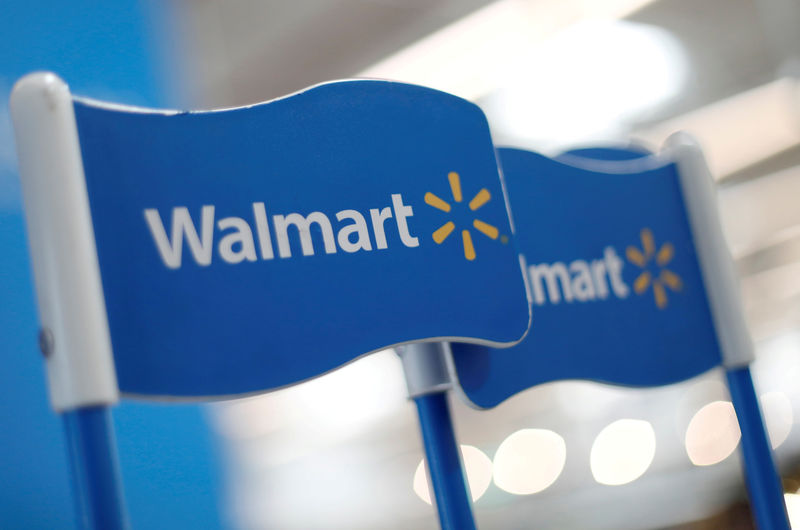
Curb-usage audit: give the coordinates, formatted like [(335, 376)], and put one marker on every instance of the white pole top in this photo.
[(72, 313), (716, 263)]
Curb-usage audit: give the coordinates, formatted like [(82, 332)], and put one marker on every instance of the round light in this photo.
[(713, 434), (623, 451), (778, 416), (479, 470), (792, 501), (529, 461), (479, 474), (420, 484)]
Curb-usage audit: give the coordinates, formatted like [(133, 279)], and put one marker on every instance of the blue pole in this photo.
[(763, 483), (95, 469), (444, 462)]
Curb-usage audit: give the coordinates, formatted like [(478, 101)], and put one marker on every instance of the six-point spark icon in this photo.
[(665, 277), (481, 198)]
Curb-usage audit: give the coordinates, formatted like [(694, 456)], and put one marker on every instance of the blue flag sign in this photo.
[(252, 248), (618, 294)]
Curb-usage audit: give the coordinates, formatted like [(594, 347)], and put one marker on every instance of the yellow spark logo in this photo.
[(665, 277), (481, 198)]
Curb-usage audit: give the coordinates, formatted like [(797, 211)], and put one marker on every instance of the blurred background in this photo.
[(343, 451)]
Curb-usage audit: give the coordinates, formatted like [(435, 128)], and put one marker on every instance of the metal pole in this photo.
[(722, 287), (761, 476), (428, 380), (96, 476)]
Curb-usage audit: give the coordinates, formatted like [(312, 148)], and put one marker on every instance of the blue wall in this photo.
[(108, 50)]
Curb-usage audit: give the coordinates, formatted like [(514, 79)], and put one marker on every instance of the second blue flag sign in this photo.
[(618, 294)]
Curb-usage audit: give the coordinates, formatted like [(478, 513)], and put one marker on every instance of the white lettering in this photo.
[(171, 249), (553, 274), (599, 275), (262, 229), (581, 281), (303, 225), (378, 218), (242, 236), (358, 227), (614, 265), (251, 239), (400, 213), (582, 284)]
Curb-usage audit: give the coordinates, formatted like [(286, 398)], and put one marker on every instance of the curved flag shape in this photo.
[(611, 153), (618, 293), (252, 248)]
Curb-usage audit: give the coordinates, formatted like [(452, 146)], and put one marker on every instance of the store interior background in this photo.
[(344, 450)]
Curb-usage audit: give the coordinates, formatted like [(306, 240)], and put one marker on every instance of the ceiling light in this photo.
[(622, 452), (529, 461)]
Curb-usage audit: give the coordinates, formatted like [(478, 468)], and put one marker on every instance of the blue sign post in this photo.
[(632, 284), (213, 254), (429, 380), (617, 290)]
